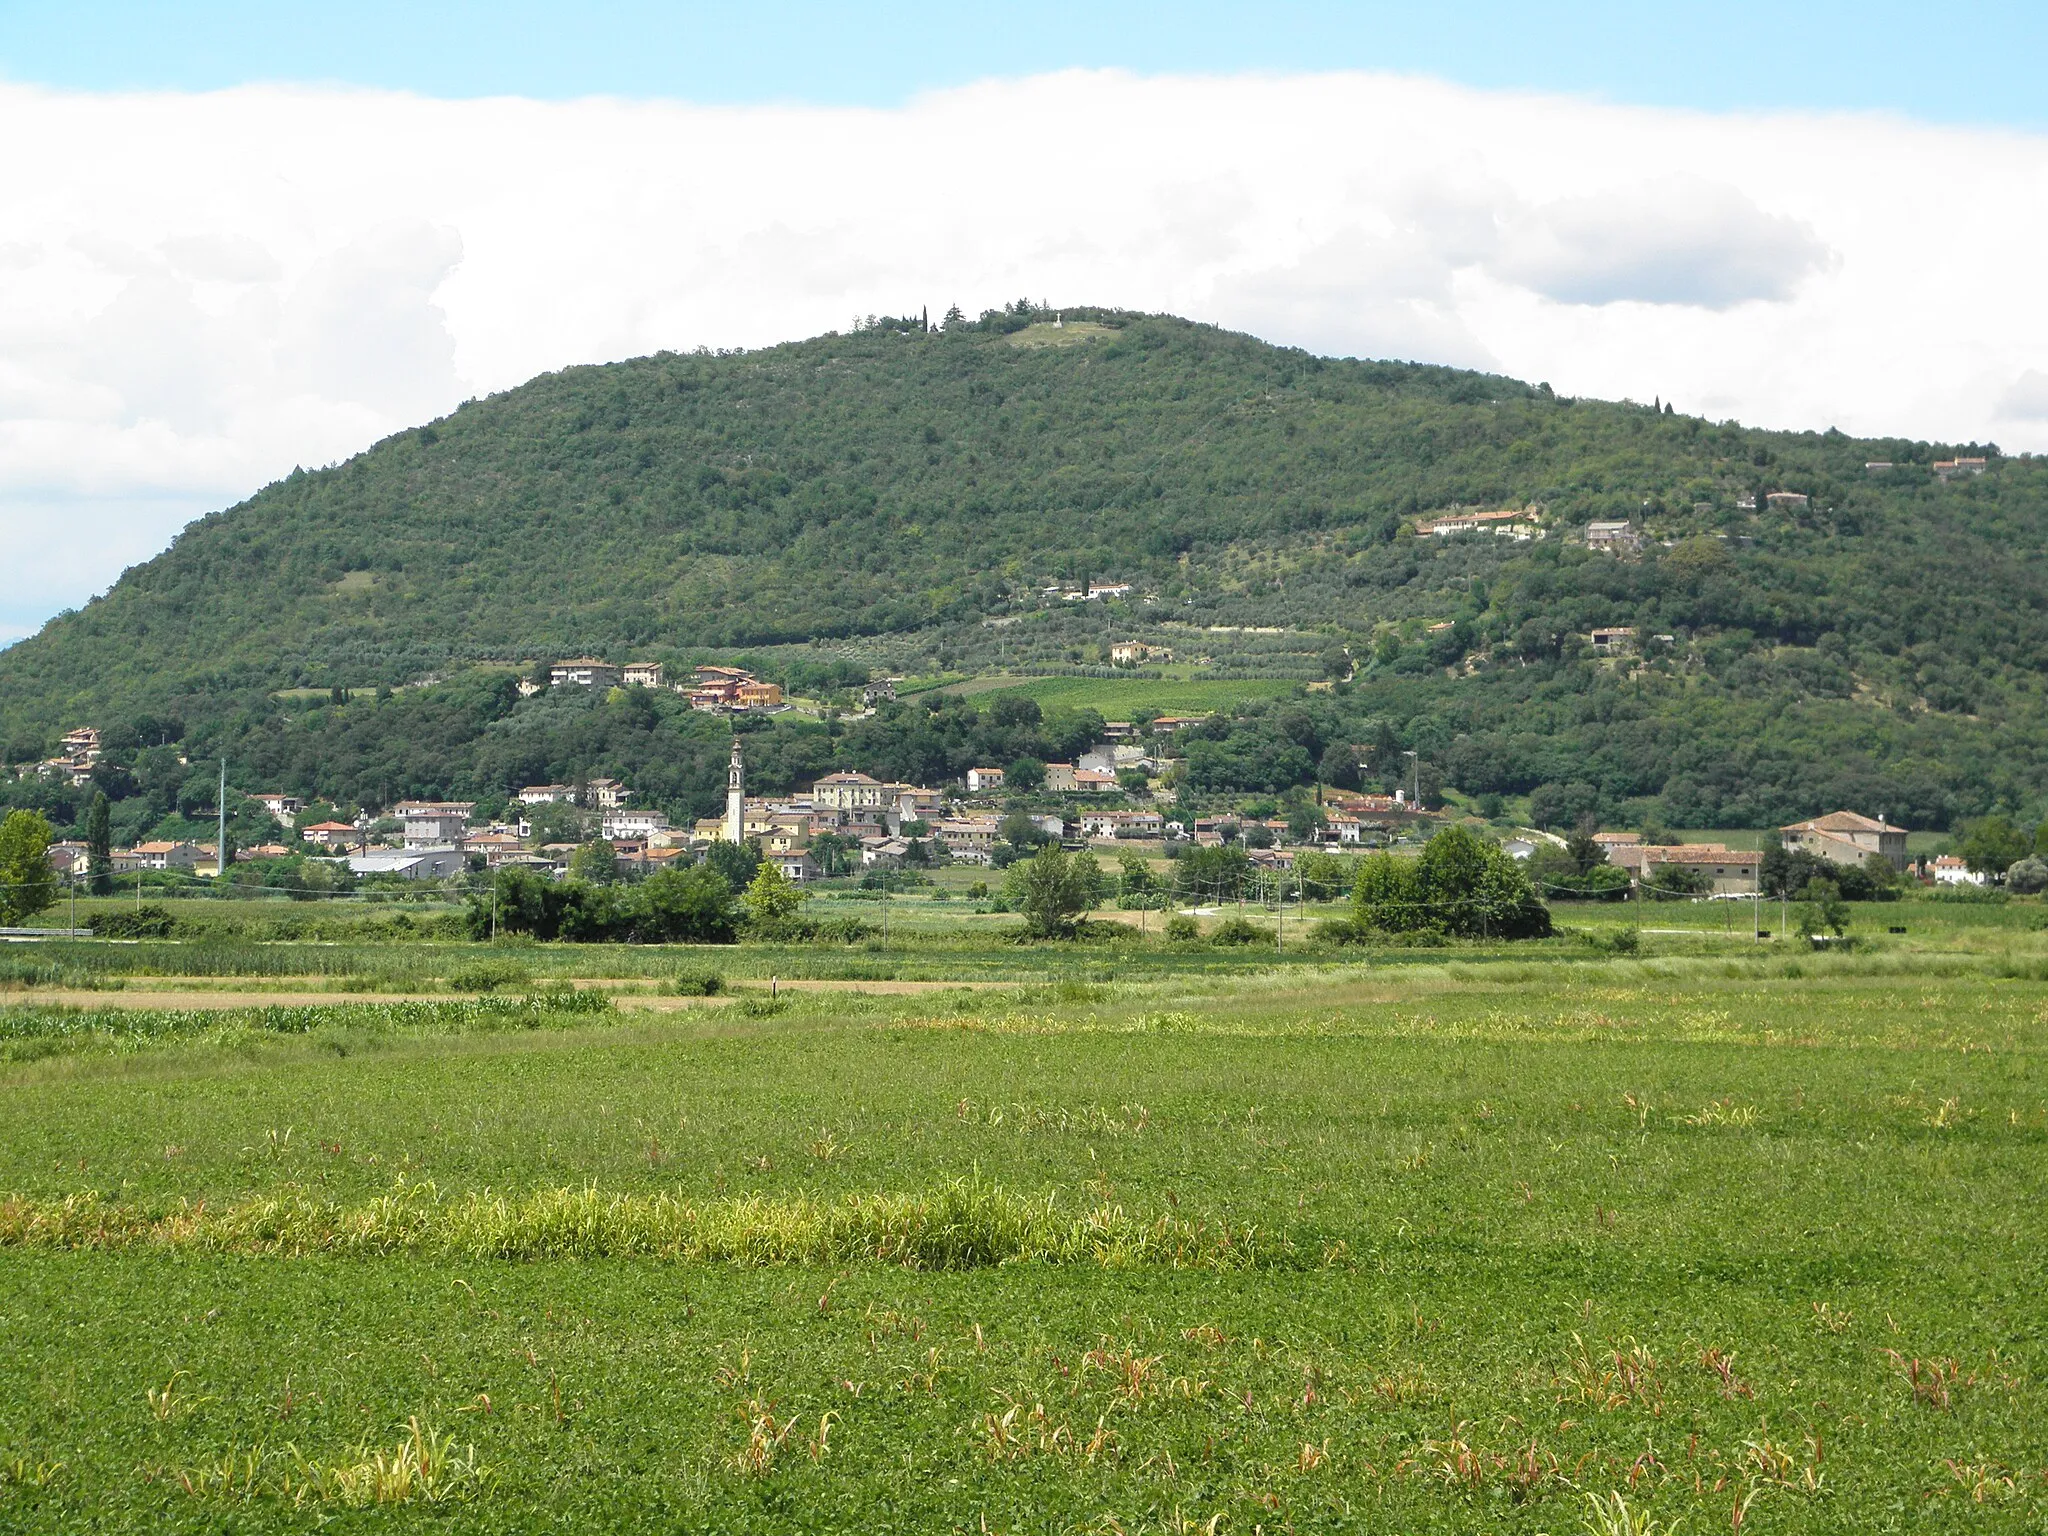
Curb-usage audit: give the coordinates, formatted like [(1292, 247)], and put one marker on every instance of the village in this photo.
[(852, 824)]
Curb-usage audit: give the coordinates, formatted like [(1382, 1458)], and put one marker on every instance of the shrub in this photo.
[(694, 983), (2029, 876), (1182, 929), (488, 976), (1237, 931), (145, 922), (1336, 930)]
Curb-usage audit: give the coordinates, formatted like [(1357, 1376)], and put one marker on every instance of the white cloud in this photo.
[(201, 291), (2026, 399), (1675, 240)]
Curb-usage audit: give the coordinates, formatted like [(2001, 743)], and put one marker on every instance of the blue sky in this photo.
[(1968, 61)]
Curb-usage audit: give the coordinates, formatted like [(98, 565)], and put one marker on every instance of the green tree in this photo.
[(1821, 907), (835, 854), (1992, 844), (772, 898), (735, 861), (1139, 889), (1680, 880), (1462, 883), (1323, 876), (596, 861), (1304, 821), (689, 906), (1385, 896), (27, 883), (1054, 890), (1026, 774), (99, 847)]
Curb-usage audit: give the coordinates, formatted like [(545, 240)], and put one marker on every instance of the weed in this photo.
[(1934, 1382), (1722, 1364), (1613, 1516)]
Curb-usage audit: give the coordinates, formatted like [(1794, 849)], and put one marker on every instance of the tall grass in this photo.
[(966, 1225), (47, 1027)]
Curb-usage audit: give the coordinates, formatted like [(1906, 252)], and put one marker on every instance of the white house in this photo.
[(633, 824), (981, 780), (1950, 870), (281, 807), (546, 794)]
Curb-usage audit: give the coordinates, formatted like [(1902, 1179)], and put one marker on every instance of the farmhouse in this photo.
[(1728, 871), (1843, 837)]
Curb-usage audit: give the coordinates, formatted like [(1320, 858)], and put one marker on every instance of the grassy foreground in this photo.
[(1446, 1247)]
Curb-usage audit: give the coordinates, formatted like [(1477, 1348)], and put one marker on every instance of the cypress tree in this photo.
[(99, 849)]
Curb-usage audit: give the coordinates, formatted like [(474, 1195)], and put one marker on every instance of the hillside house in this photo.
[(282, 807), (981, 780), (1843, 837), (69, 859), (756, 695), (634, 824), (1341, 827), (642, 674), (1946, 470), (82, 745), (1091, 781), (1115, 824), (850, 792), (605, 794), (1127, 653), (970, 839), (329, 834), (164, 856), (1510, 523), (547, 794), (1613, 840), (1616, 640), (436, 826), (883, 852), (583, 672), (1059, 778), (1787, 501), (1614, 538), (796, 865)]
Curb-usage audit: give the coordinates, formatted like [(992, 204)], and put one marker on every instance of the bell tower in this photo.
[(735, 796)]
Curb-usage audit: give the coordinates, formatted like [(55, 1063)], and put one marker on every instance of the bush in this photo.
[(1182, 929), (145, 922), (2029, 876), (488, 976), (1336, 930), (1238, 931), (693, 983)]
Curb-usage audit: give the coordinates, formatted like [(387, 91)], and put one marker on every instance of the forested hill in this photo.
[(895, 482)]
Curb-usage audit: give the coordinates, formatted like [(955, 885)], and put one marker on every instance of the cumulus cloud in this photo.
[(1675, 240), (202, 291), (2027, 398)]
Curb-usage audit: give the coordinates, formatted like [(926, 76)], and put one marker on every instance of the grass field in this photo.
[(1195, 1243), (1119, 698)]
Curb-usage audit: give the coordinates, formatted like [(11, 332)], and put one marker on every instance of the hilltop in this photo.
[(872, 500)]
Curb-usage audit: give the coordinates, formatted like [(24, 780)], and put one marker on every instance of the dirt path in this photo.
[(221, 998)]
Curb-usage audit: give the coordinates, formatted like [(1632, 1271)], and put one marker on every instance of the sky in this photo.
[(236, 237)]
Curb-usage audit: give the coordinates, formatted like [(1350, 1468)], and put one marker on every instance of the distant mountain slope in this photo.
[(895, 481)]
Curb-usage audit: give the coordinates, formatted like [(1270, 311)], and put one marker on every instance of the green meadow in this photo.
[(1538, 1242), (1116, 698)]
